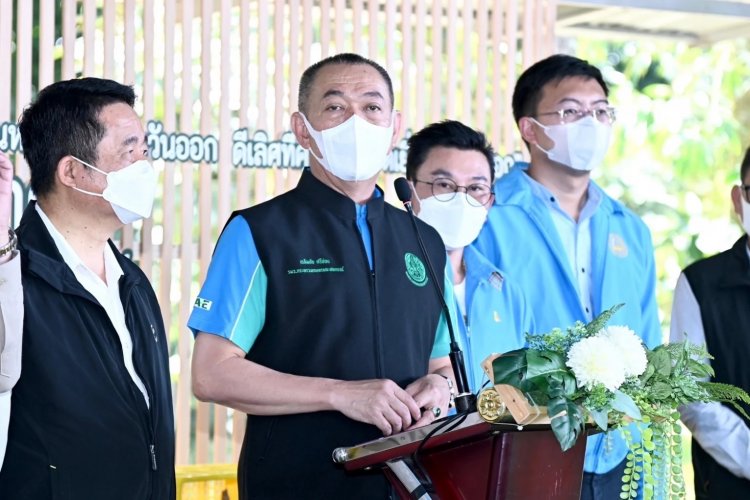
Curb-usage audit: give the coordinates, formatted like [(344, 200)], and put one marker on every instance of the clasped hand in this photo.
[(383, 403)]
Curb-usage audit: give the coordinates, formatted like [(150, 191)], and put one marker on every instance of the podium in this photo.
[(473, 459)]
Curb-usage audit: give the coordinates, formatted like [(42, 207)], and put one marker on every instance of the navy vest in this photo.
[(329, 315)]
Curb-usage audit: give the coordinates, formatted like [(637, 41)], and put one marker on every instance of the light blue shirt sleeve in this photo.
[(232, 300), (441, 347)]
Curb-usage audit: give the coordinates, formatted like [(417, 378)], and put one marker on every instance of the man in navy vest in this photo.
[(712, 306), (318, 318)]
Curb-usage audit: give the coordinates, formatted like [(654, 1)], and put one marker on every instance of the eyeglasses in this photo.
[(444, 189), (569, 115), (746, 191)]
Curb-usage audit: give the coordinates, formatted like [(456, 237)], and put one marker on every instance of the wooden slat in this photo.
[(357, 44), (436, 107), (279, 87), (420, 41), (224, 197), (390, 39), (89, 37), (69, 38), (500, 97), (184, 394), (511, 32), (407, 88), (46, 66), (339, 8), (325, 28), (6, 44), (479, 107), (372, 28), (243, 174), (168, 221), (24, 63), (467, 72), (202, 430), (452, 72), (127, 77), (109, 40), (147, 97), (262, 123)]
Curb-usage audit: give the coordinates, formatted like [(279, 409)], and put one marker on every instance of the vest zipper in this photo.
[(373, 289)]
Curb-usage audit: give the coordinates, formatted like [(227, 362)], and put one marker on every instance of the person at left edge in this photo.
[(92, 411), (317, 317), (451, 169)]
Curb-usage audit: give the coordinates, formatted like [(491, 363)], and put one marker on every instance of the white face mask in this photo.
[(745, 213), (355, 150), (581, 145), (130, 190), (457, 222)]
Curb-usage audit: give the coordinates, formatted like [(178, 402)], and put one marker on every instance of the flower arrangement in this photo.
[(604, 375)]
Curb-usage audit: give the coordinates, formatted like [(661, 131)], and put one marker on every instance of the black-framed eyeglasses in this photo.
[(746, 191), (605, 114), (444, 189)]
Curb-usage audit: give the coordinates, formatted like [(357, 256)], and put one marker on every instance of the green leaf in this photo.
[(661, 390), (567, 421), (601, 418), (600, 321), (661, 361), (544, 363), (625, 404), (510, 368)]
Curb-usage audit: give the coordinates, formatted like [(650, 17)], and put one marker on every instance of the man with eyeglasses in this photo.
[(573, 250), (712, 306), (451, 169)]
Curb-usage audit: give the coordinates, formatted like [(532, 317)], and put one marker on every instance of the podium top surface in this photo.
[(445, 431)]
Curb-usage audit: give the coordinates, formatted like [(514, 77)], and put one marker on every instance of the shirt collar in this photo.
[(112, 268), (593, 198)]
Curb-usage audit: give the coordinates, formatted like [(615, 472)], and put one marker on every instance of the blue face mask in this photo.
[(130, 190)]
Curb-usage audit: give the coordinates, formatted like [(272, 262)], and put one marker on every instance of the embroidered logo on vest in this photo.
[(617, 245), (415, 270)]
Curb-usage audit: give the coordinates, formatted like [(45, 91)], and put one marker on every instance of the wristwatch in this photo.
[(11, 245), (452, 400)]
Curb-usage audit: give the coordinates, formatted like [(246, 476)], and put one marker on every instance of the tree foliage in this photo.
[(683, 124)]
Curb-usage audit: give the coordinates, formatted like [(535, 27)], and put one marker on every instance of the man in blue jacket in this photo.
[(574, 251), (451, 169)]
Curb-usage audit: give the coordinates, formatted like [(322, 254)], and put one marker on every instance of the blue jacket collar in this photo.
[(514, 188)]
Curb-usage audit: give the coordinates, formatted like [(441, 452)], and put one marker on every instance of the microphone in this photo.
[(465, 400)]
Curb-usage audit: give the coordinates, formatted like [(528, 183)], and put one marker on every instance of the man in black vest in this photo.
[(317, 317), (712, 305), (92, 411)]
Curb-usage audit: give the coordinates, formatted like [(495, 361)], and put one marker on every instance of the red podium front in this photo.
[(476, 460)]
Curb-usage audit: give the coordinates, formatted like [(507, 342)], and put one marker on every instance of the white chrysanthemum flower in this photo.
[(630, 348), (595, 360)]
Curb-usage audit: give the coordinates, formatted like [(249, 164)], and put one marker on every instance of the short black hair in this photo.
[(64, 120), (745, 166), (447, 134), (308, 77), (528, 91)]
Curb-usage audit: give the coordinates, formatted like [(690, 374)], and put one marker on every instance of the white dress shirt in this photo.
[(107, 294), (719, 431)]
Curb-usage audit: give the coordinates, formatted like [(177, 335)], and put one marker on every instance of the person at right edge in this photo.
[(574, 251), (712, 306)]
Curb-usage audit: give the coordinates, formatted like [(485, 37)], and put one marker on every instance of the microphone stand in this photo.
[(465, 400)]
